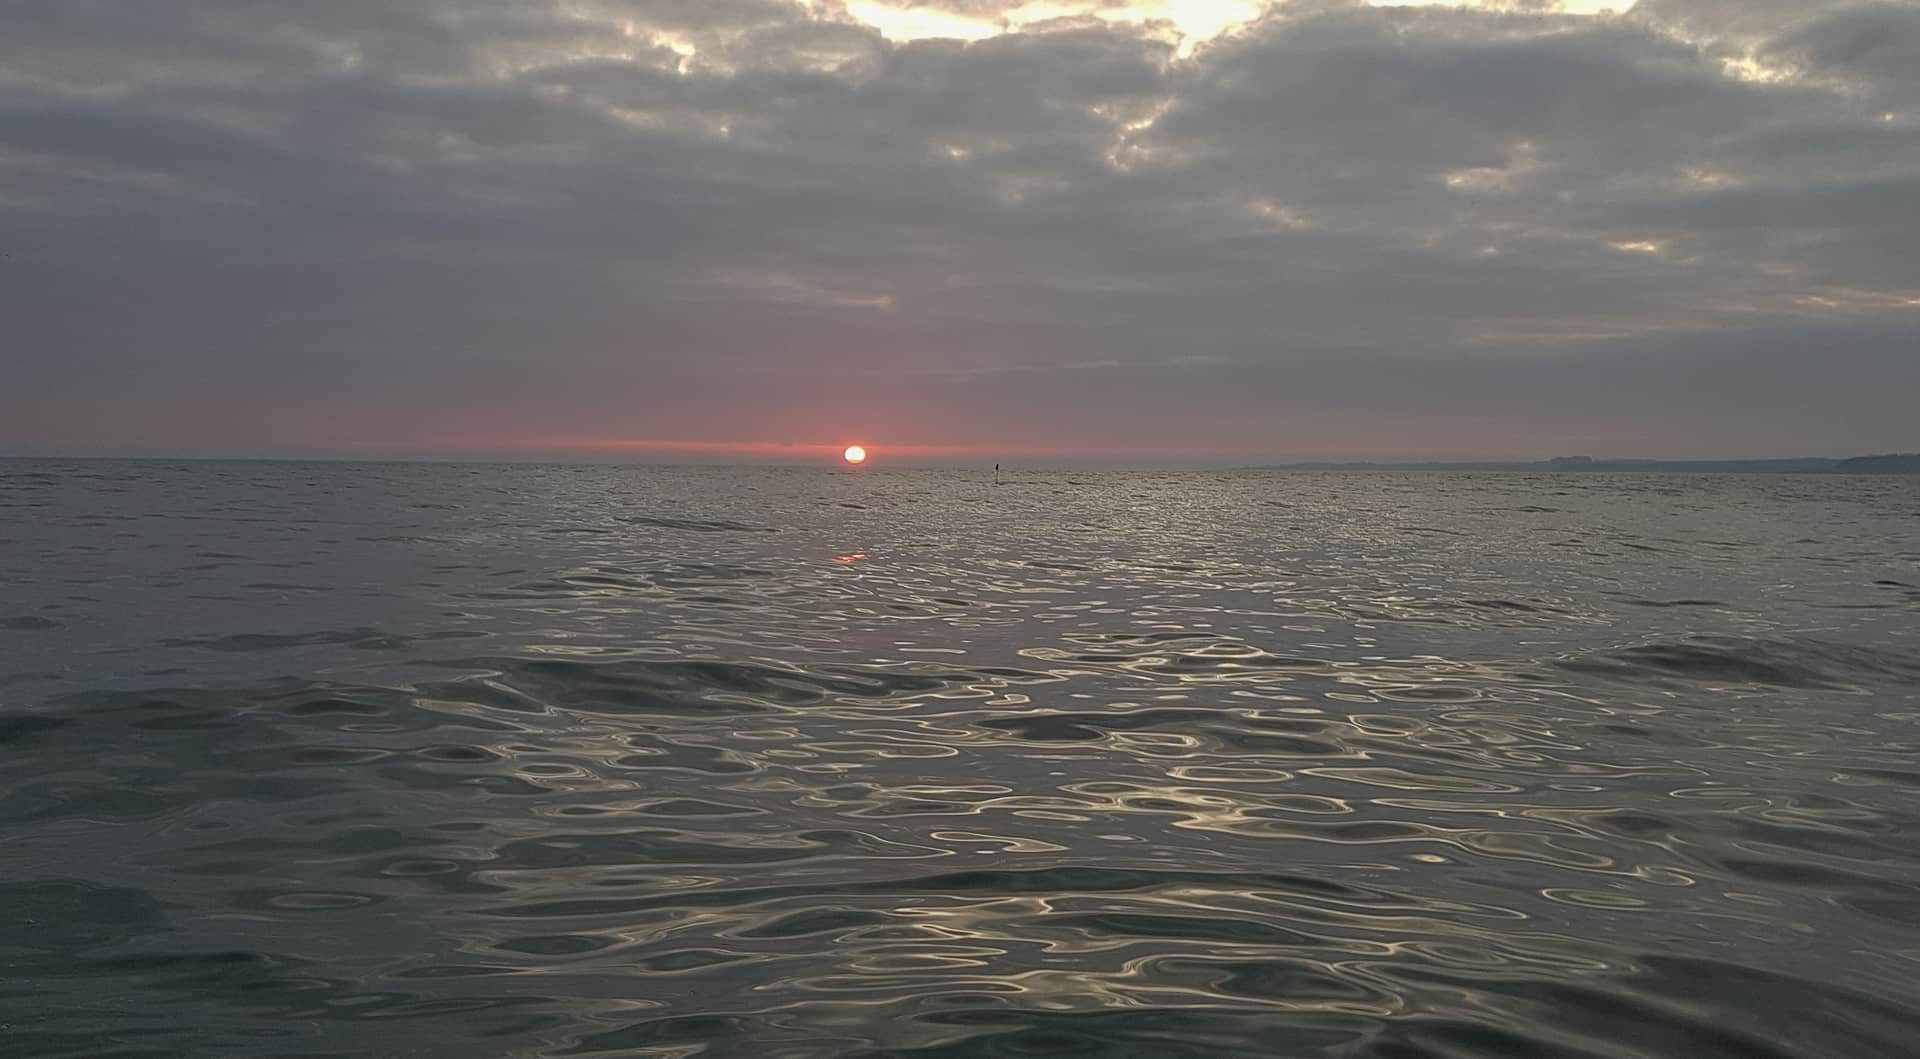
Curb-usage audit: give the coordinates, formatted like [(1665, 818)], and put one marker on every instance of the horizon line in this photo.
[(564, 449), (828, 455)]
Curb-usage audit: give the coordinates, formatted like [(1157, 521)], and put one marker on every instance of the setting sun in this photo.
[(855, 454)]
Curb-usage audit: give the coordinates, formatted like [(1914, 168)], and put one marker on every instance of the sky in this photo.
[(972, 230)]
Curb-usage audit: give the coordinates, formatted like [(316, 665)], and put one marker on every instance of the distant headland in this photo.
[(1885, 463)]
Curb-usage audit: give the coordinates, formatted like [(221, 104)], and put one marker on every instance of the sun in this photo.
[(855, 454)]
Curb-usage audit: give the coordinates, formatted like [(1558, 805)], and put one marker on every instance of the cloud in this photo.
[(772, 220)]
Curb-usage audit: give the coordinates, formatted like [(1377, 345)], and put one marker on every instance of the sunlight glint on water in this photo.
[(456, 760)]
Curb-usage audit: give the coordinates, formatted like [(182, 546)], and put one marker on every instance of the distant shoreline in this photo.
[(1887, 463)]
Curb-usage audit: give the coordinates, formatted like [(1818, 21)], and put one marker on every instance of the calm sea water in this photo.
[(457, 760)]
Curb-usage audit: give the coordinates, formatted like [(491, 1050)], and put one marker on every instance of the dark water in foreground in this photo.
[(439, 760)]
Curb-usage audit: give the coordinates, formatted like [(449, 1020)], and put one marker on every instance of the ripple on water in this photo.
[(903, 765)]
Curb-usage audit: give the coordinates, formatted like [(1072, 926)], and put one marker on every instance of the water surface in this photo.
[(463, 760)]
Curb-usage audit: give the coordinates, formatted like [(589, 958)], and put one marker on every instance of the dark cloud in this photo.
[(278, 225)]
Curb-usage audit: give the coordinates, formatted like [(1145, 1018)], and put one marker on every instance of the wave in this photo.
[(1809, 664)]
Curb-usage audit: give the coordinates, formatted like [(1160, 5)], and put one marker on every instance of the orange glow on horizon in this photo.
[(855, 455), (814, 450)]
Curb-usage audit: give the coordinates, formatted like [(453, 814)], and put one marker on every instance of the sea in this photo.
[(334, 759)]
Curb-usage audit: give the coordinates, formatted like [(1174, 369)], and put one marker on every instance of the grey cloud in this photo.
[(1874, 46), (1730, 23), (715, 216)]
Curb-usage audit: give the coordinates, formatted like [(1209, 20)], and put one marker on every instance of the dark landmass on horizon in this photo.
[(1885, 463)]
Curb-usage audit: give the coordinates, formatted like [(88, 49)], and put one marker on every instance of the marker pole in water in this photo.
[(996, 474)]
